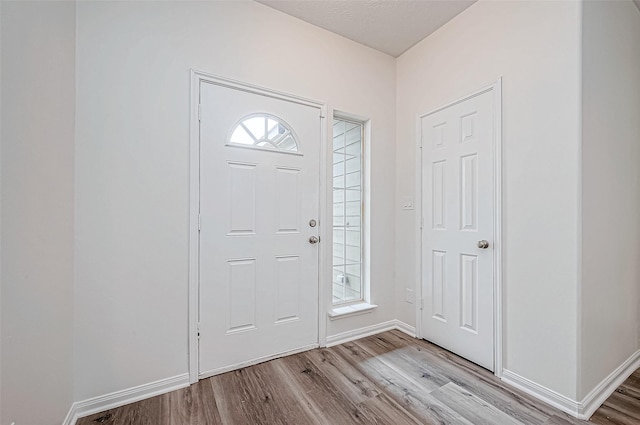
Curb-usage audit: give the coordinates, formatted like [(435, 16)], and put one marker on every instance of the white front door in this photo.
[(259, 191), (458, 228)]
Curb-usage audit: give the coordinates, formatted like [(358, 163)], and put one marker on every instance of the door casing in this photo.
[(197, 77), (496, 89)]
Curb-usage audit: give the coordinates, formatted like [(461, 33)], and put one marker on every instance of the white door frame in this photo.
[(197, 77), (496, 89)]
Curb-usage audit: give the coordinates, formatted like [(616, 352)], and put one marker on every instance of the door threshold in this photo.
[(263, 359)]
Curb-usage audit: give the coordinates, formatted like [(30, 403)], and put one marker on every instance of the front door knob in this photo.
[(483, 244), (313, 240)]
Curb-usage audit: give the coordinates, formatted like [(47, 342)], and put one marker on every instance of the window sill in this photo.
[(351, 310)]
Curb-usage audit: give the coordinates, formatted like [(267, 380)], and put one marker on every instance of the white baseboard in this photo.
[(579, 409), (604, 389), (98, 404), (409, 330), (354, 334), (544, 394)]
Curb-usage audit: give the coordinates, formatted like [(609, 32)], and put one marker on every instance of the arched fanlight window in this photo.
[(264, 131)]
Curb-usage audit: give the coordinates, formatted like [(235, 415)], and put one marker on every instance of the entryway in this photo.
[(258, 212)]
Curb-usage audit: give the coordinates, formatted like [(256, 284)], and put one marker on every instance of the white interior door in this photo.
[(458, 228), (259, 190)]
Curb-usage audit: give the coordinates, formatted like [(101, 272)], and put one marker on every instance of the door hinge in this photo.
[(198, 330), (420, 144), (199, 111), (421, 303), (199, 222)]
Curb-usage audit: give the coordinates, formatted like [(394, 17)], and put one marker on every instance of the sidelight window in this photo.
[(348, 209)]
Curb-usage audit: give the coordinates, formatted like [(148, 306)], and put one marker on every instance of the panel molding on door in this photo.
[(459, 183), (242, 192)]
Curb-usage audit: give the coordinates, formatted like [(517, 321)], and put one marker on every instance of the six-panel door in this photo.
[(259, 188), (457, 193)]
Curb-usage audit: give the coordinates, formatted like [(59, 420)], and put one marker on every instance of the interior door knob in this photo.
[(313, 240), (483, 244)]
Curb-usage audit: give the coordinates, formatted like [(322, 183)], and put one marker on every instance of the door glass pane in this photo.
[(263, 131)]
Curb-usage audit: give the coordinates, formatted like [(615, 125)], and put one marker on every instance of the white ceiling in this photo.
[(390, 26)]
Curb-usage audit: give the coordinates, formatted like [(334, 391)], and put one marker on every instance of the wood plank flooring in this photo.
[(386, 379), (623, 406)]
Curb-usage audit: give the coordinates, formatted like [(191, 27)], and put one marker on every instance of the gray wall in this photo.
[(610, 182), (38, 108)]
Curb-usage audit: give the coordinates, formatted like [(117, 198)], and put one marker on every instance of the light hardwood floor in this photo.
[(386, 379)]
